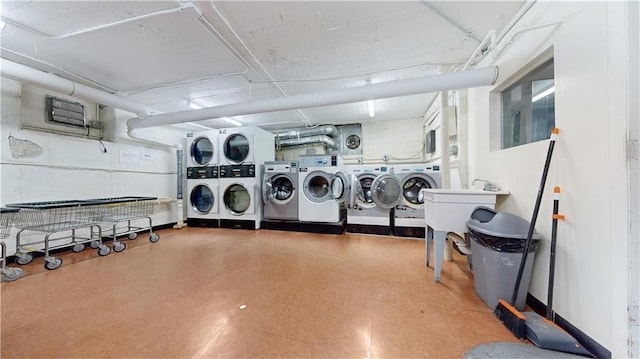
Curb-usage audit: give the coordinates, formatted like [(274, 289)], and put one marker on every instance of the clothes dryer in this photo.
[(246, 145), (202, 148), (375, 192), (241, 207), (325, 188), (203, 196), (280, 190), (409, 213)]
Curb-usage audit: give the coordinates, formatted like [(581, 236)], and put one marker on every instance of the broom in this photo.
[(506, 311)]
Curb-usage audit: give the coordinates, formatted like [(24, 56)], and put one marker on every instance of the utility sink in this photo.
[(447, 210)]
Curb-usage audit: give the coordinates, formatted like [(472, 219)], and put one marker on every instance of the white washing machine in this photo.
[(240, 145), (203, 209), (239, 188), (375, 192), (409, 213), (280, 190), (325, 188), (203, 149)]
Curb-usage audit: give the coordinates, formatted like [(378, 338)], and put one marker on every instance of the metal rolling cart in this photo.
[(6, 222), (55, 217), (118, 210)]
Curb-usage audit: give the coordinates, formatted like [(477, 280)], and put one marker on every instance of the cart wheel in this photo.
[(55, 264), (94, 244), (77, 248), (24, 258), (11, 274), (103, 251), (133, 236), (119, 246), (154, 237)]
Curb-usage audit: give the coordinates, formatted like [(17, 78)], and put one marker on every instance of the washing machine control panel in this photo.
[(318, 161), (237, 171), (202, 172)]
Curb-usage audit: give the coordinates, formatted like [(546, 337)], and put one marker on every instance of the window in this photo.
[(528, 107)]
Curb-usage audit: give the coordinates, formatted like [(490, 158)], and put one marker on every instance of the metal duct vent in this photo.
[(350, 139), (64, 112)]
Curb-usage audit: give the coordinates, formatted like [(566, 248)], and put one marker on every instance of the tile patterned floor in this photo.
[(306, 295)]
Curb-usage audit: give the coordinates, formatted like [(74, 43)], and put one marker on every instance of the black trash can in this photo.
[(497, 244)]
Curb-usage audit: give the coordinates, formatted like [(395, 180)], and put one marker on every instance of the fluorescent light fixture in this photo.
[(543, 94), (231, 121), (372, 109), (199, 125), (194, 106)]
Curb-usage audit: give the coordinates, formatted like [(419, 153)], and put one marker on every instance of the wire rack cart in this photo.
[(120, 210), (55, 217), (6, 222)]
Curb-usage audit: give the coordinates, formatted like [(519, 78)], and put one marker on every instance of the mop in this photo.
[(543, 332)]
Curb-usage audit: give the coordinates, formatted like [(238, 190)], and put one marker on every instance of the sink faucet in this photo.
[(488, 185)]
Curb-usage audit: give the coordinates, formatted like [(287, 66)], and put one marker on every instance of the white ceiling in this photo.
[(164, 53)]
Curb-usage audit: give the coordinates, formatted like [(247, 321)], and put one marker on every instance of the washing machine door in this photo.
[(236, 148), (385, 191), (237, 199), (202, 150), (353, 179), (266, 188), (362, 190), (282, 189), (411, 187), (202, 199), (340, 187), (316, 186)]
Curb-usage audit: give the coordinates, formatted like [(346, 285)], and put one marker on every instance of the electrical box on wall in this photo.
[(430, 141), (64, 112), (350, 139)]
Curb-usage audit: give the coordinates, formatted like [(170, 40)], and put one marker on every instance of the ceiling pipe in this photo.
[(317, 139), (406, 87), (327, 130), (18, 72)]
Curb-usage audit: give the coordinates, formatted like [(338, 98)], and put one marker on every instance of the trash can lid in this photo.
[(503, 225)]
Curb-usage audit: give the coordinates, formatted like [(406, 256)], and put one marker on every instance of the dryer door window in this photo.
[(385, 191), (340, 187), (316, 187), (236, 148), (202, 151), (237, 199), (282, 189), (411, 189), (202, 199)]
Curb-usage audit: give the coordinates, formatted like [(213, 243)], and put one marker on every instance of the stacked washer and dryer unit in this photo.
[(408, 219), (243, 152), (202, 179)]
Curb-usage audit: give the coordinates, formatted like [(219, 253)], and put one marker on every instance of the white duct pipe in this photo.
[(445, 166), (328, 130), (317, 139), (406, 87), (18, 72)]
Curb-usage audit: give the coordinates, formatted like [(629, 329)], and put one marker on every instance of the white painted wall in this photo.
[(78, 168), (589, 162)]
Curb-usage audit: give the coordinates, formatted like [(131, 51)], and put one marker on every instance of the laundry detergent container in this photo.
[(497, 244)]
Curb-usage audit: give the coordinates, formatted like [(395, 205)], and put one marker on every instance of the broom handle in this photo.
[(532, 225), (552, 256)]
